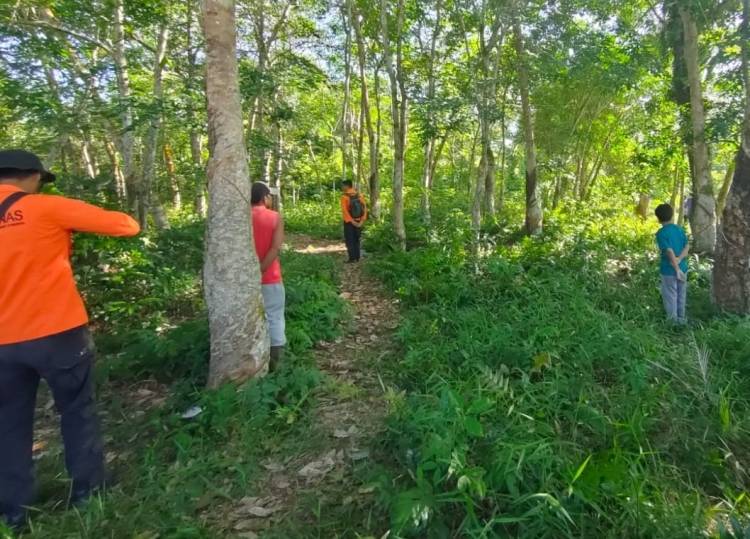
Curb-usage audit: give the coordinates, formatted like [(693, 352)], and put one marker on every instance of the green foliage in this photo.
[(545, 395), (171, 471), (319, 217)]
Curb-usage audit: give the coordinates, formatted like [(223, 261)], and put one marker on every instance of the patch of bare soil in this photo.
[(348, 413)]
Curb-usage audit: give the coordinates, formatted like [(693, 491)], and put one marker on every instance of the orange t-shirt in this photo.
[(38, 293), (265, 222), (346, 201)]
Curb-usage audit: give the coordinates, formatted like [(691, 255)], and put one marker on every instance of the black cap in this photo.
[(23, 160)]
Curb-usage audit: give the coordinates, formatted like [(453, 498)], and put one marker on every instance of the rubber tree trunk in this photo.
[(148, 200), (430, 145), (239, 338), (174, 185), (703, 213), (373, 180), (721, 201), (345, 109), (119, 178), (731, 276), (196, 149), (644, 202), (127, 139), (534, 215), (398, 112)]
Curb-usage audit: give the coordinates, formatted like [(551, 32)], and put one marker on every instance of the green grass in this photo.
[(536, 392), (174, 474), (318, 218), (544, 395)]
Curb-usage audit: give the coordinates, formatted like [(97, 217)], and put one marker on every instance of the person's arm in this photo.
[(276, 242), (79, 216), (345, 209), (684, 254), (675, 263)]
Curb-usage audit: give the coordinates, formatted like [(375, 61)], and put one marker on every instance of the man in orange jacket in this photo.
[(43, 330), (354, 212)]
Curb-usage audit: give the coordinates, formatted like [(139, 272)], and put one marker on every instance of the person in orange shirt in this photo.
[(354, 212), (43, 330)]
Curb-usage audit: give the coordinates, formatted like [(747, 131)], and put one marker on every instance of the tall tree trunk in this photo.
[(427, 171), (174, 185), (534, 215), (374, 179), (703, 213), (148, 200), (503, 151), (278, 158), (365, 116), (119, 178), (196, 150), (731, 277), (345, 113), (681, 209), (721, 202), (675, 186), (398, 113), (641, 209), (127, 138), (88, 160), (430, 144), (239, 337)]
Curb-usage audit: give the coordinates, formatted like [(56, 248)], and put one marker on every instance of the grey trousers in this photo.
[(274, 300), (674, 294)]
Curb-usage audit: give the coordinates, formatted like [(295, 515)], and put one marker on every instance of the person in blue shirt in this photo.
[(673, 266)]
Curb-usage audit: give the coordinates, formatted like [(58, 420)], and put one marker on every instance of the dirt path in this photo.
[(348, 412)]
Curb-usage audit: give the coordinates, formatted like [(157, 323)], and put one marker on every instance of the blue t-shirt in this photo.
[(672, 237)]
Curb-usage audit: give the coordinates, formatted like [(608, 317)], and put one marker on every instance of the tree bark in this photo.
[(372, 137), (174, 185), (374, 179), (703, 213), (398, 112), (239, 338), (87, 158), (534, 215), (127, 137), (430, 144), (278, 157), (345, 112), (196, 150), (148, 201), (731, 276), (119, 178), (721, 202), (641, 209)]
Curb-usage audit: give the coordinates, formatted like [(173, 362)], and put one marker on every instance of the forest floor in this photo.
[(347, 416), (307, 471)]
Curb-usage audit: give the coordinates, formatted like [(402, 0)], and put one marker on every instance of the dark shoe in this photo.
[(79, 496), (277, 354)]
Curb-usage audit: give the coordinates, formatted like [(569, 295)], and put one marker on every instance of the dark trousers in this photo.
[(65, 361), (352, 237)]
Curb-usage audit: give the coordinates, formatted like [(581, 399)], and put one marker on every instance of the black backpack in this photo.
[(356, 208)]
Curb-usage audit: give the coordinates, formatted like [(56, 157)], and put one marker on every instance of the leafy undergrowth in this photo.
[(315, 218), (540, 393), (152, 332)]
